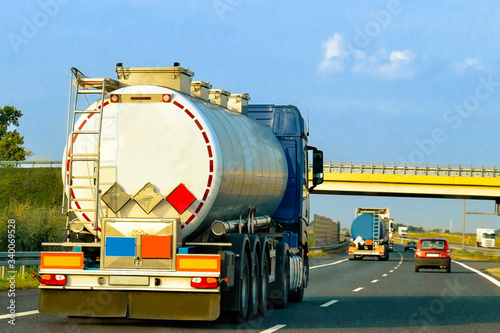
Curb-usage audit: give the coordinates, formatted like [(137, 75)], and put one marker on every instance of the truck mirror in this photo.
[(317, 167)]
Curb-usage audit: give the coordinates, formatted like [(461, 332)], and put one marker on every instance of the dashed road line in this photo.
[(273, 329), (384, 275), (20, 314), (327, 304), (391, 271), (374, 281), (358, 289)]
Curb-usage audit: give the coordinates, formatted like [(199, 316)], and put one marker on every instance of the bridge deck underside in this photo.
[(410, 186)]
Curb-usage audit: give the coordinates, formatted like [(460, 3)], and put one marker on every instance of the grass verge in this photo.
[(465, 255), (494, 271), (21, 282)]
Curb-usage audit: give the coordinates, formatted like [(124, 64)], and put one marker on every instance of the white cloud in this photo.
[(398, 67), (339, 57), (334, 54), (469, 63)]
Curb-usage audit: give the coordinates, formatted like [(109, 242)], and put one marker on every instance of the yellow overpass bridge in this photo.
[(411, 180)]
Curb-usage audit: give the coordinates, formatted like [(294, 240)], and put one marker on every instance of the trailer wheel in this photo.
[(254, 287), (264, 282), (244, 295)]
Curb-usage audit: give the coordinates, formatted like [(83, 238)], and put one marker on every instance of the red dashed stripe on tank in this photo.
[(210, 165)]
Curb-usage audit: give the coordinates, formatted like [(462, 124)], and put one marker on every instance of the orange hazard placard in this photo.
[(156, 247)]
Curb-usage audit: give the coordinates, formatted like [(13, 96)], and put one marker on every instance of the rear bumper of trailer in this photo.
[(130, 304)]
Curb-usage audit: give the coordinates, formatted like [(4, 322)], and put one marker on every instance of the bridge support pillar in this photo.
[(497, 206)]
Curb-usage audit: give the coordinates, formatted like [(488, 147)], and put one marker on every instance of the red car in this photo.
[(433, 253)]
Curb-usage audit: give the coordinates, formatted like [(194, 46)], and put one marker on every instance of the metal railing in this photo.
[(32, 164), (21, 259), (395, 168)]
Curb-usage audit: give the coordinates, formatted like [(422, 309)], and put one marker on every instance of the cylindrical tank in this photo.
[(204, 162), (363, 226)]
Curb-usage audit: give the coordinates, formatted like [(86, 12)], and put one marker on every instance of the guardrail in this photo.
[(21, 258), (32, 164), (329, 247), (396, 168)]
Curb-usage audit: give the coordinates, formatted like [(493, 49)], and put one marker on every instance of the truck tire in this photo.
[(244, 288), (280, 287), (254, 286), (297, 295), (263, 283)]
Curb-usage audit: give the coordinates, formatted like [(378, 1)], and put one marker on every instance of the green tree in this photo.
[(11, 142)]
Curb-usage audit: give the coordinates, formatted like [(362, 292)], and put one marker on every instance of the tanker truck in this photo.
[(370, 233), (183, 202)]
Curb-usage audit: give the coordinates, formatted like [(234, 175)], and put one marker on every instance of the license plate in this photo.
[(432, 254)]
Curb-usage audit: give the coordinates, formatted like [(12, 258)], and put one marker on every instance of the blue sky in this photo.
[(378, 77)]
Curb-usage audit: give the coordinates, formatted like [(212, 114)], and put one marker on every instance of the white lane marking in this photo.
[(20, 314), (489, 278), (358, 289), (273, 329), (330, 264), (384, 275), (374, 281), (396, 267), (391, 271), (327, 304)]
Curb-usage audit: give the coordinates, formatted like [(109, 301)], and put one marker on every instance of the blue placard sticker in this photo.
[(120, 246)]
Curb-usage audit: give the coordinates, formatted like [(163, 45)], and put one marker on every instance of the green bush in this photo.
[(33, 225), (38, 186)]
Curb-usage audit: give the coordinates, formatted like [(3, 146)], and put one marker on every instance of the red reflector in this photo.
[(181, 198), (114, 98), (204, 282), (140, 98), (53, 279), (166, 98)]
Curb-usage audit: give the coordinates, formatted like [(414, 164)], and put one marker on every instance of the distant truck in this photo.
[(485, 237), (370, 233), (403, 232), (391, 235)]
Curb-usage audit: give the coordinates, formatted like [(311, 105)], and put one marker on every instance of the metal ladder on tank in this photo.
[(84, 86), (376, 230)]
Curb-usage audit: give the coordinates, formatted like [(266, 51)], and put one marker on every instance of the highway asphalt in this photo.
[(343, 296)]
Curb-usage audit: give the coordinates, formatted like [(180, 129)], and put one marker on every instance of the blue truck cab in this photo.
[(293, 213)]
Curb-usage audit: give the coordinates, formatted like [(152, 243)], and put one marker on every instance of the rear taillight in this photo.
[(53, 279), (204, 282), (417, 253)]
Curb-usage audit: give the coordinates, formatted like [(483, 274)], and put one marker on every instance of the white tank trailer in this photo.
[(182, 201)]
